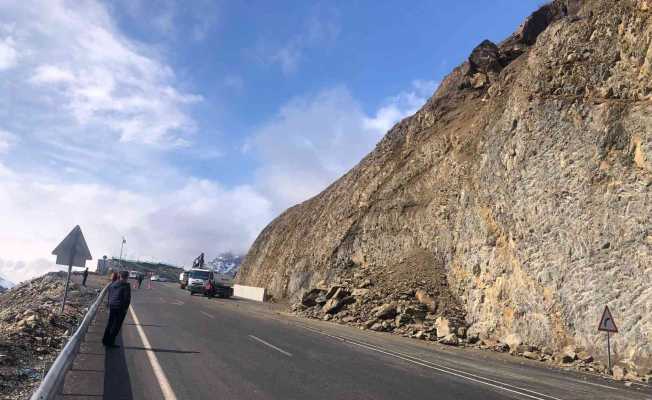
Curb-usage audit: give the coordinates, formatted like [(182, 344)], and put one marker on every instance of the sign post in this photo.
[(607, 324), (72, 251)]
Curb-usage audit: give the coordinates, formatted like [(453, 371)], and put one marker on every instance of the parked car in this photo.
[(155, 278)]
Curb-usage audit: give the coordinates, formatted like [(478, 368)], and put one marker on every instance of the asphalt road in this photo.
[(177, 346)]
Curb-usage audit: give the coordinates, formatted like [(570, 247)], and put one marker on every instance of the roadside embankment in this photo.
[(33, 331)]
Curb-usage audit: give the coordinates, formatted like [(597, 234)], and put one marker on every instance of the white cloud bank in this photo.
[(76, 59), (86, 116), (36, 214), (314, 140)]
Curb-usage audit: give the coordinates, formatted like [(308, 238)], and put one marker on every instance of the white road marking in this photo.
[(597, 384), (208, 315), (178, 303), (164, 384), (270, 345), (442, 368)]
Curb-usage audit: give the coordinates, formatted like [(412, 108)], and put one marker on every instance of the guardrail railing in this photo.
[(53, 381)]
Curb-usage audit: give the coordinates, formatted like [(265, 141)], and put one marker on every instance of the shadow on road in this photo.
[(155, 350), (117, 384)]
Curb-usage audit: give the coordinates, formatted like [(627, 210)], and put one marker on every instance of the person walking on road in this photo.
[(85, 277), (140, 280), (119, 300)]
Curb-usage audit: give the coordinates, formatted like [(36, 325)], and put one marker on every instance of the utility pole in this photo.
[(121, 247)]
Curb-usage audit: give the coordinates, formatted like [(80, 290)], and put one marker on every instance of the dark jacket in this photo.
[(119, 294)]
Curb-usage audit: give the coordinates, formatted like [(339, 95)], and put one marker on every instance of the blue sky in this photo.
[(187, 126)]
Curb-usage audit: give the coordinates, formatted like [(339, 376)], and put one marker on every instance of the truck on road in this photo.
[(216, 287), (197, 278), (205, 282)]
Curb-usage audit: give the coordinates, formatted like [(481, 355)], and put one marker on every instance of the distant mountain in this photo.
[(226, 264), (5, 284)]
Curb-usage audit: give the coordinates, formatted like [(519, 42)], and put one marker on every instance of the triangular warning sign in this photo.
[(607, 322), (73, 249)]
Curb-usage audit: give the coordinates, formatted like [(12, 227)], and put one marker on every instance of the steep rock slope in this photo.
[(525, 179)]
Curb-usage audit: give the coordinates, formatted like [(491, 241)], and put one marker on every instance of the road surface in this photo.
[(177, 346)]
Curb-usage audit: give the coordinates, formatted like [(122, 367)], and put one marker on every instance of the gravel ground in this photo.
[(33, 331)]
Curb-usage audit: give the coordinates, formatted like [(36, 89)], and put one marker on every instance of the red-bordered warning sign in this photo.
[(607, 322)]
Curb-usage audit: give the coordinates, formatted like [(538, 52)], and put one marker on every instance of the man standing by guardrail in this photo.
[(119, 294)]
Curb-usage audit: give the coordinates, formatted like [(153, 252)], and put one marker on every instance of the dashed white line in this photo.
[(208, 315), (442, 368), (270, 345), (164, 384)]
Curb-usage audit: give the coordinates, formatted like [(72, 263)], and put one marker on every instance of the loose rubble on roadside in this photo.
[(429, 313), (33, 331)]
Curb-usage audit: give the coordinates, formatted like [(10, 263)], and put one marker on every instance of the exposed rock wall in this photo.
[(526, 178)]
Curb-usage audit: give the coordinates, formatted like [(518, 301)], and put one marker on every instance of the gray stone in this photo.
[(442, 326), (618, 372), (585, 357), (386, 311), (377, 327), (427, 300), (308, 299), (450, 340)]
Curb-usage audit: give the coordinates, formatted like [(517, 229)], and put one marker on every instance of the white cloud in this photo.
[(7, 140), (200, 215), (78, 62), (399, 106), (314, 140), (45, 74), (8, 53)]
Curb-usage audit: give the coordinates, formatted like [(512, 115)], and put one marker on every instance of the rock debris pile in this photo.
[(525, 183), (32, 330)]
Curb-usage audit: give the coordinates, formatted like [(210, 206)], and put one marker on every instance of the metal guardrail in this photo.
[(49, 387)]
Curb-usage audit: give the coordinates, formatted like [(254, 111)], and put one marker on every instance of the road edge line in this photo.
[(425, 363), (164, 384)]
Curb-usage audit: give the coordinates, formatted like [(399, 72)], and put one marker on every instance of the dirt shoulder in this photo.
[(33, 331)]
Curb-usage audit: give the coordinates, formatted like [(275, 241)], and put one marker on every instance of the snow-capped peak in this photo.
[(5, 283)]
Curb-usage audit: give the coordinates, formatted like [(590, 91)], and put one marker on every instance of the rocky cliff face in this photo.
[(519, 193)]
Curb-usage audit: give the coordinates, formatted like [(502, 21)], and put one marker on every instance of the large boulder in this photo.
[(443, 327), (513, 340), (308, 299), (450, 340), (424, 298), (386, 311), (485, 57)]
